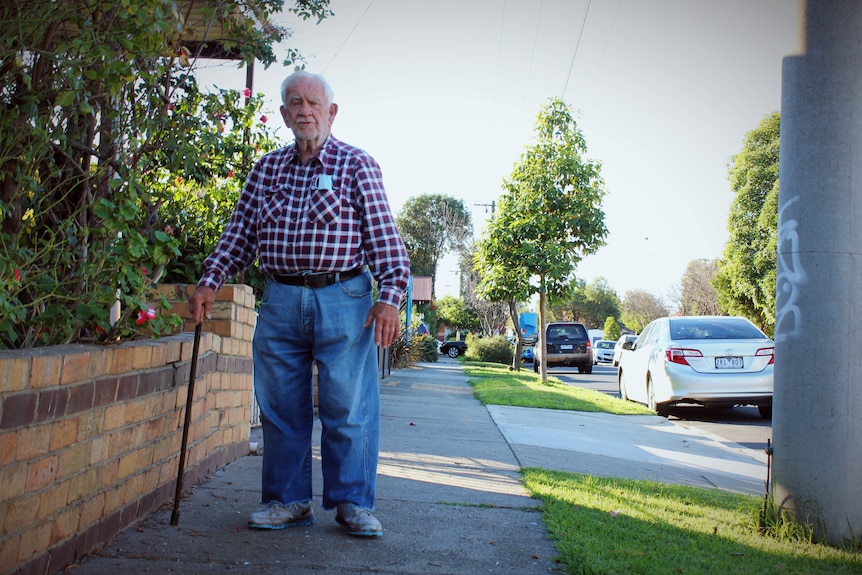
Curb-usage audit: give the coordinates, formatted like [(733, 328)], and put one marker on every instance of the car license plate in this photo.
[(728, 363), (566, 346)]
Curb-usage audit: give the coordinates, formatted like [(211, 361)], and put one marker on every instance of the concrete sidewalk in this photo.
[(449, 493)]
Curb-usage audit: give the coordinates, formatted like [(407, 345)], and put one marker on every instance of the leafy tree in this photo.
[(492, 315), (745, 282), (612, 328), (697, 292), (453, 312), (590, 303), (549, 217), (96, 132), (501, 281), (432, 225), (641, 307)]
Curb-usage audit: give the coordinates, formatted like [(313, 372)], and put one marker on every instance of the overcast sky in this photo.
[(445, 93)]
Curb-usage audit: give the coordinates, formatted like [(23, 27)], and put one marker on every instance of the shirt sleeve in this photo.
[(237, 245), (384, 248)]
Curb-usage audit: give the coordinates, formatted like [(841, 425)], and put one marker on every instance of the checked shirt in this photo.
[(293, 221)]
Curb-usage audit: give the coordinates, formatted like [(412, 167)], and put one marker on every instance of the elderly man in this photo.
[(317, 217)]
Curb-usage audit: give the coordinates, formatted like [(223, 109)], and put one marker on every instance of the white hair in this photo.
[(327, 90)]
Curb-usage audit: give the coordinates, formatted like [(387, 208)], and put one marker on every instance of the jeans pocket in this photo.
[(357, 287)]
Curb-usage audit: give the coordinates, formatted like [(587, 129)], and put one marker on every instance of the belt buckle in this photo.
[(315, 280)]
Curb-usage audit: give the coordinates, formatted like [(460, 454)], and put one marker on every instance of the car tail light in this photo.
[(770, 351), (679, 355)]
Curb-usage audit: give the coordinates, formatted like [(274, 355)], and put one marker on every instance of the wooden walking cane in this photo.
[(175, 514)]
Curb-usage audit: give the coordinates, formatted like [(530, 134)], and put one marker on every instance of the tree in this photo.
[(612, 329), (492, 315), (641, 307), (99, 127), (453, 312), (745, 282), (590, 303), (549, 217), (697, 293), (432, 225)]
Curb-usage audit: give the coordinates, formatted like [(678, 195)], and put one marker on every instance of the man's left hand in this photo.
[(387, 323)]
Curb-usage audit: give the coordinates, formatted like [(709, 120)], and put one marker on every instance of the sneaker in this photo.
[(277, 515), (358, 520)]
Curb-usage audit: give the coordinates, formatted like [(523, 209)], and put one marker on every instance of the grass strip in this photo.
[(611, 526), (494, 384)]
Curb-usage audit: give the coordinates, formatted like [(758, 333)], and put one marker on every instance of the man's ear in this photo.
[(284, 115), (333, 110)]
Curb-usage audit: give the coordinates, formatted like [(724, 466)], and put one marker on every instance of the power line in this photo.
[(577, 45), (355, 26), (533, 54)]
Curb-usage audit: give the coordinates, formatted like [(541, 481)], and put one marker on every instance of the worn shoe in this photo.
[(358, 520), (277, 515)]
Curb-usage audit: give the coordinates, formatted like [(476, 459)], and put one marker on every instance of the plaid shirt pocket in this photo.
[(325, 207)]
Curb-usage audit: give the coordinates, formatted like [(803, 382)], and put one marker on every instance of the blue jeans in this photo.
[(295, 326)]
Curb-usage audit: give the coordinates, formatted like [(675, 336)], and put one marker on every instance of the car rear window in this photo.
[(574, 331), (718, 328)]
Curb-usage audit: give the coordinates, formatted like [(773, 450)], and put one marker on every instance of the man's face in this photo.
[(307, 113)]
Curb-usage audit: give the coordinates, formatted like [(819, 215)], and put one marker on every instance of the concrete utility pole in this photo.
[(817, 421)]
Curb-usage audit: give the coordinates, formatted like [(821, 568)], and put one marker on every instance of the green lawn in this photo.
[(494, 384), (613, 526)]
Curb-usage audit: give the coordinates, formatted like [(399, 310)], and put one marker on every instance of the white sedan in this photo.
[(716, 361)]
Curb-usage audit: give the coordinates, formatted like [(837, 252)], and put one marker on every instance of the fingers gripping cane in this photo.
[(175, 514)]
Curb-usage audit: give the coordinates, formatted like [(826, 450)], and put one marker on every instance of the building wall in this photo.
[(90, 435)]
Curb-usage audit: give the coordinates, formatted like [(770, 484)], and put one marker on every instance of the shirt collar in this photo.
[(321, 155)]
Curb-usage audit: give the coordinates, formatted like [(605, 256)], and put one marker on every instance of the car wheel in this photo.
[(659, 408), (535, 365), (452, 352), (586, 368), (621, 383), (765, 411)]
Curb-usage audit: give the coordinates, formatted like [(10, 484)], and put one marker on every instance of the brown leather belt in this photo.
[(317, 280)]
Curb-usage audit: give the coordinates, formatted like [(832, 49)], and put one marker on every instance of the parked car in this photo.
[(567, 344), (620, 346), (453, 348), (603, 351), (715, 361)]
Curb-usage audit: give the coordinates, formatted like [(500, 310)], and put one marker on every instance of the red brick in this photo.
[(105, 391), (33, 442), (83, 485), (91, 511), (75, 367), (19, 410), (81, 397), (41, 472), (45, 369), (52, 404), (9, 554), (64, 433), (14, 371), (8, 443), (52, 500), (13, 479)]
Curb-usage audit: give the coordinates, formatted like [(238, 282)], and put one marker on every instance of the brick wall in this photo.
[(90, 435)]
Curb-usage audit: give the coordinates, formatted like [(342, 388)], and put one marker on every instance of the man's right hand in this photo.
[(201, 303)]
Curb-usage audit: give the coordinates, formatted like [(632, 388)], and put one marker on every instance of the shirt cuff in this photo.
[(390, 295)]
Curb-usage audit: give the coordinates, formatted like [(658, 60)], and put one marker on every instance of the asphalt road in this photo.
[(742, 425)]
